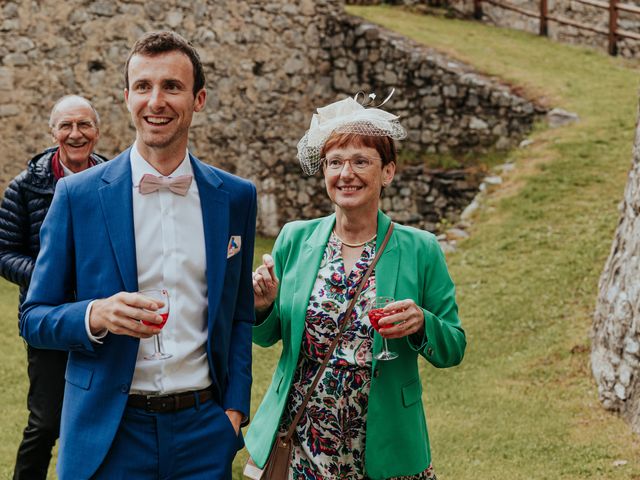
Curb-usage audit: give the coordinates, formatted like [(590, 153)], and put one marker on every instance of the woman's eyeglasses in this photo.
[(358, 164)]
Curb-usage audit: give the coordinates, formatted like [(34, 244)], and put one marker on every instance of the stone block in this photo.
[(307, 7), (174, 18), (22, 44), (341, 81), (10, 110), (432, 101), (294, 65), (102, 8), (391, 78), (10, 10), (16, 60), (478, 124), (10, 25), (6, 78), (450, 91)]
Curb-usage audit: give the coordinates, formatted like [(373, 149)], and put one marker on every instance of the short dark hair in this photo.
[(155, 43), (384, 145)]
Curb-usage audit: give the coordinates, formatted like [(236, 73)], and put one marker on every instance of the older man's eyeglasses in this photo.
[(358, 164), (85, 126)]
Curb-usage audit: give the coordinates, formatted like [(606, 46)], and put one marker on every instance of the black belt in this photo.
[(169, 403)]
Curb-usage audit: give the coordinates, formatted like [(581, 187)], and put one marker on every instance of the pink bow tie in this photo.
[(179, 185)]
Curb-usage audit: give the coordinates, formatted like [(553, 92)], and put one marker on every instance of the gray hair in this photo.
[(76, 98)]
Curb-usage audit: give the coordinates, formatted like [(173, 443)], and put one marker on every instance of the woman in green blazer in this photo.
[(365, 418)]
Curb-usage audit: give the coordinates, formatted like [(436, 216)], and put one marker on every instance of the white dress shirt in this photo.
[(170, 254)]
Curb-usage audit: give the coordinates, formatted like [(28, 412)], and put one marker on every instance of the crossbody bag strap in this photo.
[(336, 339)]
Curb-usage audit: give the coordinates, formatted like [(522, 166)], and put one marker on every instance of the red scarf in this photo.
[(56, 165)]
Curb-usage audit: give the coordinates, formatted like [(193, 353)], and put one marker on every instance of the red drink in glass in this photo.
[(164, 316), (162, 295), (377, 313)]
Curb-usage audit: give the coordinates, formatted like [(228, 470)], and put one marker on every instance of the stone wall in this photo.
[(268, 65), (589, 15), (444, 105)]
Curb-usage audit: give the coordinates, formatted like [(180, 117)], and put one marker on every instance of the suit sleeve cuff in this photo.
[(418, 341)]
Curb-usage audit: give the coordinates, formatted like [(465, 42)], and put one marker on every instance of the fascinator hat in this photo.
[(346, 116)]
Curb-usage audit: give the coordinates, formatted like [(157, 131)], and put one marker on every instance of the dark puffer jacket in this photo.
[(26, 202)]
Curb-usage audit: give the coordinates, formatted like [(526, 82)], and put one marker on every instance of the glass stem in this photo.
[(157, 343), (384, 342)]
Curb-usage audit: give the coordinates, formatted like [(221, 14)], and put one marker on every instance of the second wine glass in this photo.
[(376, 313)]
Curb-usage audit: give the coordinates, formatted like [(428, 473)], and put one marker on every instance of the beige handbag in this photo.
[(277, 465)]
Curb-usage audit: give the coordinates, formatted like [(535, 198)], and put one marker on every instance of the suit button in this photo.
[(429, 351), (376, 373), (124, 388)]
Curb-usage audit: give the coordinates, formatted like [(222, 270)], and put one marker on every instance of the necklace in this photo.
[(352, 245)]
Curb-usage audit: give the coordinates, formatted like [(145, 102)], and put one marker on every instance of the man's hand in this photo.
[(123, 314), (235, 417)]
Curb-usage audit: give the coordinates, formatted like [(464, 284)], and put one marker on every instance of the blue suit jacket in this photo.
[(87, 253)]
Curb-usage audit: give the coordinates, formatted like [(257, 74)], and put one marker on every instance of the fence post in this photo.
[(613, 27), (543, 18), (477, 9)]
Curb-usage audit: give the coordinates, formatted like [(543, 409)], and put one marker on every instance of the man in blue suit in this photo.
[(154, 228)]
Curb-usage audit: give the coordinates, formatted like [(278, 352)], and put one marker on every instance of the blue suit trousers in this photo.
[(193, 444)]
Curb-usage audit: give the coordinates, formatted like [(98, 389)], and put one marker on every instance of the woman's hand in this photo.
[(407, 318), (265, 284)]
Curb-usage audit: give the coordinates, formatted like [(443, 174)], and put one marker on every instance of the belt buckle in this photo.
[(147, 404), (149, 407)]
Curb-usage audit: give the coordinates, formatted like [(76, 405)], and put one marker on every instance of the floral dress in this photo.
[(333, 427)]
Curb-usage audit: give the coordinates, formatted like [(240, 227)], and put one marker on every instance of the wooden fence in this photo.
[(613, 32)]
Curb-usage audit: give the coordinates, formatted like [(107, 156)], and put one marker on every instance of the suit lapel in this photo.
[(215, 219), (116, 203), (310, 258)]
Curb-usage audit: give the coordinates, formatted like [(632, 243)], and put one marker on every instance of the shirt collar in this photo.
[(65, 169), (140, 167)]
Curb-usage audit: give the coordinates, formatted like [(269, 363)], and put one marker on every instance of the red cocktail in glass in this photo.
[(377, 313), (159, 326), (163, 296)]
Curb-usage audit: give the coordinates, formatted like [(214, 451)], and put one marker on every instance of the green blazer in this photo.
[(412, 266)]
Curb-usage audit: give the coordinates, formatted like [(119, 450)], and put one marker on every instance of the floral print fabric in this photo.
[(330, 441)]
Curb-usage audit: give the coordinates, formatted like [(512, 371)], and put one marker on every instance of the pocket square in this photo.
[(235, 243)]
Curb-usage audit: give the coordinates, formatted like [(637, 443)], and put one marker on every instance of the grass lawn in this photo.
[(523, 404)]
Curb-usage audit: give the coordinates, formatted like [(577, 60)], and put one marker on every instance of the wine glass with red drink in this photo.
[(163, 296), (377, 313)]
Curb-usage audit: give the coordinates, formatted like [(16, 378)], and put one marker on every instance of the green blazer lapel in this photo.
[(386, 270), (307, 266)]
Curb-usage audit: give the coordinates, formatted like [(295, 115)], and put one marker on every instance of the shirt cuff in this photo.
[(94, 338)]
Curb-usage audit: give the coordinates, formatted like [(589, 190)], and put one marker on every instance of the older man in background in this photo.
[(74, 126)]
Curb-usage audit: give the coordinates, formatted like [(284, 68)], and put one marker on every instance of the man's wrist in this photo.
[(94, 334)]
